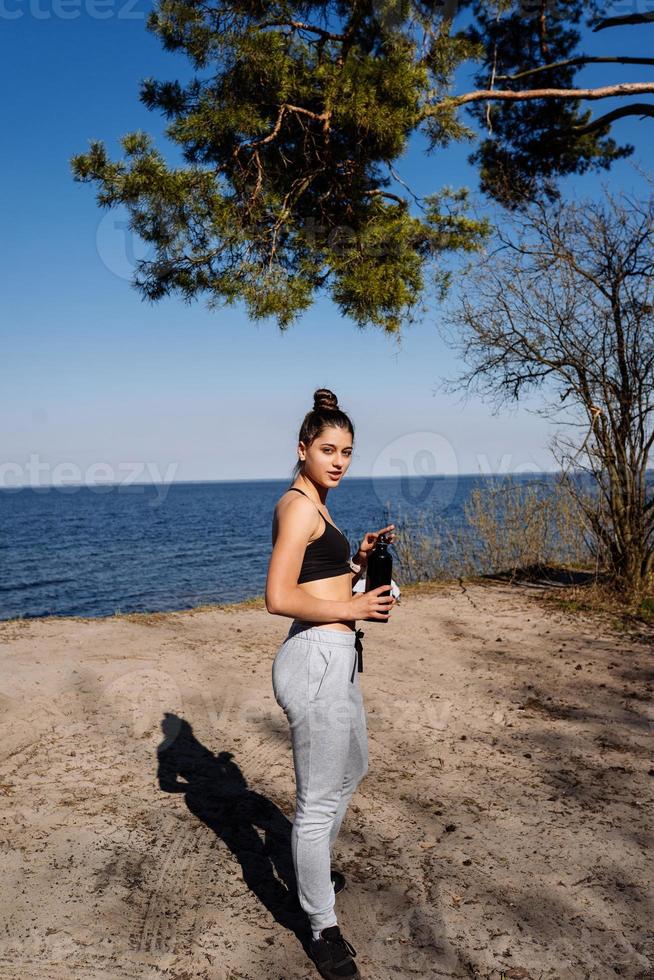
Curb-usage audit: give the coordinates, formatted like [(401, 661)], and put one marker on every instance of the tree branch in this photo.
[(301, 26), (623, 21), (393, 197), (641, 109), (322, 117), (582, 59), (542, 31), (507, 95)]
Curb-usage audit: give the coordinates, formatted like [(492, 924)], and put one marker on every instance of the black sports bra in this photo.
[(328, 555)]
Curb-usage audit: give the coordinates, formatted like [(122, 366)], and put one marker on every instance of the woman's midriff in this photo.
[(338, 588)]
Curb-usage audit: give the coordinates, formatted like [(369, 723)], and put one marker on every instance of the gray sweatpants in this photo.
[(317, 686)]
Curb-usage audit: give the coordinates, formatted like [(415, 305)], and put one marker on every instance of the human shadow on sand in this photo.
[(217, 793)]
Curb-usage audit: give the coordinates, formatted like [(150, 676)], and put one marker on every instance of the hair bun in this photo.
[(324, 400)]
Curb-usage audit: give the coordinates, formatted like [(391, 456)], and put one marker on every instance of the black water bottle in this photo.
[(379, 570)]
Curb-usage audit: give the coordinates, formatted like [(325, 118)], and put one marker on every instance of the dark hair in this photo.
[(325, 412)]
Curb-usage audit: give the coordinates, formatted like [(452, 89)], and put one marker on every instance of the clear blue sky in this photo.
[(91, 374)]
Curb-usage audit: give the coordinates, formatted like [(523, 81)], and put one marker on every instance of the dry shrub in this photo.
[(507, 526)]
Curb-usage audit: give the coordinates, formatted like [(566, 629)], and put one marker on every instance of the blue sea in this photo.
[(97, 550)]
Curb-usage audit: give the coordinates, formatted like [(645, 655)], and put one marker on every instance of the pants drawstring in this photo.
[(358, 646)]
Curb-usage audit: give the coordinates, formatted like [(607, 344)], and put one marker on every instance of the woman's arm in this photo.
[(283, 596)]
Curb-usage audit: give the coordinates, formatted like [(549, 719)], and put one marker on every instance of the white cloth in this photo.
[(361, 587)]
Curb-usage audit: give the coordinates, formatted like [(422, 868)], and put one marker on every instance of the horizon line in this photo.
[(267, 479)]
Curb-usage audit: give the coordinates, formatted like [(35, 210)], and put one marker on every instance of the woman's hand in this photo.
[(369, 541), (372, 605)]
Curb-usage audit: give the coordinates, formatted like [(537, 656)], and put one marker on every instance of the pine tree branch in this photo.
[(641, 109), (301, 26), (542, 31), (393, 197), (625, 20), (580, 60), (506, 95)]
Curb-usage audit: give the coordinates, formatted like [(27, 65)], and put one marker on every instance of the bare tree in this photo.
[(565, 303)]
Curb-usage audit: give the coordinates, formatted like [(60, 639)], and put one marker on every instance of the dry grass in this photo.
[(506, 527), (147, 618), (517, 532), (596, 597)]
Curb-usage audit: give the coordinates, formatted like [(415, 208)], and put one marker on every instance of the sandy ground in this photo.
[(504, 829)]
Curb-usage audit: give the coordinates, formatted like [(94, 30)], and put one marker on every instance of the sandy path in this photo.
[(503, 828)]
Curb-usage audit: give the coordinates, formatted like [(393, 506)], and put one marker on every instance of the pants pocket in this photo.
[(281, 675), (319, 659)]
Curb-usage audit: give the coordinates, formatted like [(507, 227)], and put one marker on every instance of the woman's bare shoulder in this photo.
[(302, 509), (286, 498), (282, 503)]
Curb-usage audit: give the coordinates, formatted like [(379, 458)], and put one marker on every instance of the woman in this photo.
[(314, 675)]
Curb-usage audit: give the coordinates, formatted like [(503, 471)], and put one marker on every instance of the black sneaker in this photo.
[(332, 954), (338, 881)]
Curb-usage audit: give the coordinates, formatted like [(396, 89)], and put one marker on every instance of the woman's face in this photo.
[(328, 457)]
